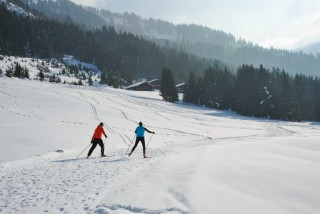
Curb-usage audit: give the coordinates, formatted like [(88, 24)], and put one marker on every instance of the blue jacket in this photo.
[(140, 131)]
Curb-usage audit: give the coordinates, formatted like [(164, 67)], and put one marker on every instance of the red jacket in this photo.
[(98, 132)]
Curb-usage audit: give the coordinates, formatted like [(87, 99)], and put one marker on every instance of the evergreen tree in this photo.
[(103, 79), (264, 92), (289, 106), (190, 94), (317, 99), (227, 84), (210, 95), (41, 76), (305, 91), (168, 88), (217, 88), (256, 92), (25, 73), (18, 71), (9, 72), (90, 82), (247, 94)]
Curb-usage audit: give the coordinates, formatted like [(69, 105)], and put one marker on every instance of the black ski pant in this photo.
[(138, 139), (95, 142)]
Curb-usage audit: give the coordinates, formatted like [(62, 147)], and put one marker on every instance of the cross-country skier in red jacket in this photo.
[(97, 139)]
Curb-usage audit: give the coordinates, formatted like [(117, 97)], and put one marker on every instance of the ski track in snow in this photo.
[(65, 184)]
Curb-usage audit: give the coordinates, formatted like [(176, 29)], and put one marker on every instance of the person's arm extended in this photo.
[(149, 131), (104, 133)]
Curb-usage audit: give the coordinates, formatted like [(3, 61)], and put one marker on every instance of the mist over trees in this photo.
[(192, 39), (122, 57)]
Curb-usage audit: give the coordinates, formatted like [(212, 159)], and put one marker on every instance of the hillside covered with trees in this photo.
[(256, 91), (121, 56), (192, 39)]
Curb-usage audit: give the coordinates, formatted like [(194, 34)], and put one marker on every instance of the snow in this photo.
[(202, 160), (36, 1), (72, 61), (50, 67), (181, 84), (17, 9), (136, 84)]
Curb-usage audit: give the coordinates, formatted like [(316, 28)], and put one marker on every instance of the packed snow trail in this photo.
[(202, 160)]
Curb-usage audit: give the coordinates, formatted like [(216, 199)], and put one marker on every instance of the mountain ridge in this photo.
[(313, 48), (191, 39)]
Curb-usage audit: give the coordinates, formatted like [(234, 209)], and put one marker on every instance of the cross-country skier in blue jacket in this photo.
[(140, 137)]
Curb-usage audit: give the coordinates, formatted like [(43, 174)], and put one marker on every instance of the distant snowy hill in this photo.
[(201, 160)]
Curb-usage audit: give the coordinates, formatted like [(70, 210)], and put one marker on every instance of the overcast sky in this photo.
[(285, 24)]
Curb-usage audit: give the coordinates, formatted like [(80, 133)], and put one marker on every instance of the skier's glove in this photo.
[(153, 132)]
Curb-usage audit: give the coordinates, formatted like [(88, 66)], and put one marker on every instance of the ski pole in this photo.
[(149, 141), (130, 145), (83, 151)]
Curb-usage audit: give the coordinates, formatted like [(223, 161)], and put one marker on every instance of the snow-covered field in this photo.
[(202, 160)]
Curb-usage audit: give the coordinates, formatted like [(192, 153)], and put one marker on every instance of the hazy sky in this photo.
[(279, 23)]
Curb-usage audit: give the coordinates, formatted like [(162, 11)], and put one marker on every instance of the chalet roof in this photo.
[(180, 85), (138, 84), (135, 84), (154, 80)]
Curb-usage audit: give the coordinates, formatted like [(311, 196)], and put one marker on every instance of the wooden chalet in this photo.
[(180, 87), (156, 83)]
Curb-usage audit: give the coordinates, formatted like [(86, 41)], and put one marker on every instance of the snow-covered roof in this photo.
[(138, 84), (181, 84), (154, 80), (135, 85)]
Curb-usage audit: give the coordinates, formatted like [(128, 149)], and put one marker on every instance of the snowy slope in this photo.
[(202, 160), (17, 9), (70, 60), (50, 67)]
